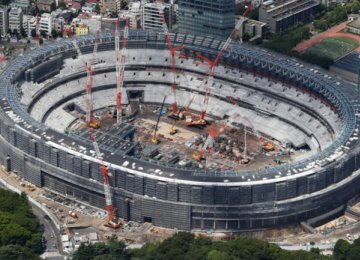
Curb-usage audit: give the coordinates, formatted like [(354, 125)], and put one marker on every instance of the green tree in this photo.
[(97, 8), (341, 249), (23, 32), (246, 37), (217, 255), (13, 252), (355, 6), (33, 33), (54, 33), (43, 33)]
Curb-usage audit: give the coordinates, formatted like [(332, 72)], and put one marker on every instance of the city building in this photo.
[(46, 5), (134, 15), (150, 16), (15, 19), (25, 5), (58, 23), (280, 15), (253, 28), (328, 3), (87, 9), (208, 18), (4, 20), (109, 6), (29, 24), (45, 23), (81, 29), (354, 26)]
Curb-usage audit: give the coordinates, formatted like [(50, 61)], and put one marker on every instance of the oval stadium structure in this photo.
[(291, 103)]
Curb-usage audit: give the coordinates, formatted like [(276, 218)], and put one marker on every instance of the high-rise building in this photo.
[(150, 17), (15, 19), (207, 17), (4, 20)]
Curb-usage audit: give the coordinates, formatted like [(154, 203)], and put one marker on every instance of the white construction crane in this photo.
[(120, 66)]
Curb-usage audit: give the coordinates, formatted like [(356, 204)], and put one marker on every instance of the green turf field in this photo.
[(333, 48)]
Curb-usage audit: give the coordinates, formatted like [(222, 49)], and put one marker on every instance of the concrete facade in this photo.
[(281, 15), (204, 17), (15, 19)]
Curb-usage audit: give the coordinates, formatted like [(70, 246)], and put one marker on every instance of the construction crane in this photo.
[(214, 131), (174, 52), (267, 146), (89, 117), (37, 29), (120, 66), (154, 138), (213, 63), (112, 219)]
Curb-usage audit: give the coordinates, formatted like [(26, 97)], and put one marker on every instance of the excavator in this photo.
[(173, 129)]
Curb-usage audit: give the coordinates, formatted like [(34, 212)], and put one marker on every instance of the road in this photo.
[(51, 234)]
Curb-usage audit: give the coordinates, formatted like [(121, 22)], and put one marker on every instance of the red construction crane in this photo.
[(120, 66), (174, 52), (37, 28), (89, 117), (213, 63), (112, 219)]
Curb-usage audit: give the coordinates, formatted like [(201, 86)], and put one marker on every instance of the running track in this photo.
[(332, 32)]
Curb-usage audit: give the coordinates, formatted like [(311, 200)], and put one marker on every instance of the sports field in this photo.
[(333, 48)]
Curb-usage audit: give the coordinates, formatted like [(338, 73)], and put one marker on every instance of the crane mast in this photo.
[(173, 53), (120, 66), (213, 63)]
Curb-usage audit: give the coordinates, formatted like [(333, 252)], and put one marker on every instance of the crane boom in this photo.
[(213, 64), (120, 67), (105, 174)]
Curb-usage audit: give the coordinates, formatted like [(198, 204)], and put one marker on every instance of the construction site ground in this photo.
[(183, 142), (89, 219)]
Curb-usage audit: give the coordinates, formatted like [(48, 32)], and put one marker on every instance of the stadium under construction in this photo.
[(262, 141)]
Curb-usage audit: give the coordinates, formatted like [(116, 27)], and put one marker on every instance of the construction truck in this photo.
[(197, 156), (95, 124), (31, 187), (268, 147), (114, 224), (173, 129)]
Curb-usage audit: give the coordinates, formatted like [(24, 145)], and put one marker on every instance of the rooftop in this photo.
[(350, 62), (355, 24)]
